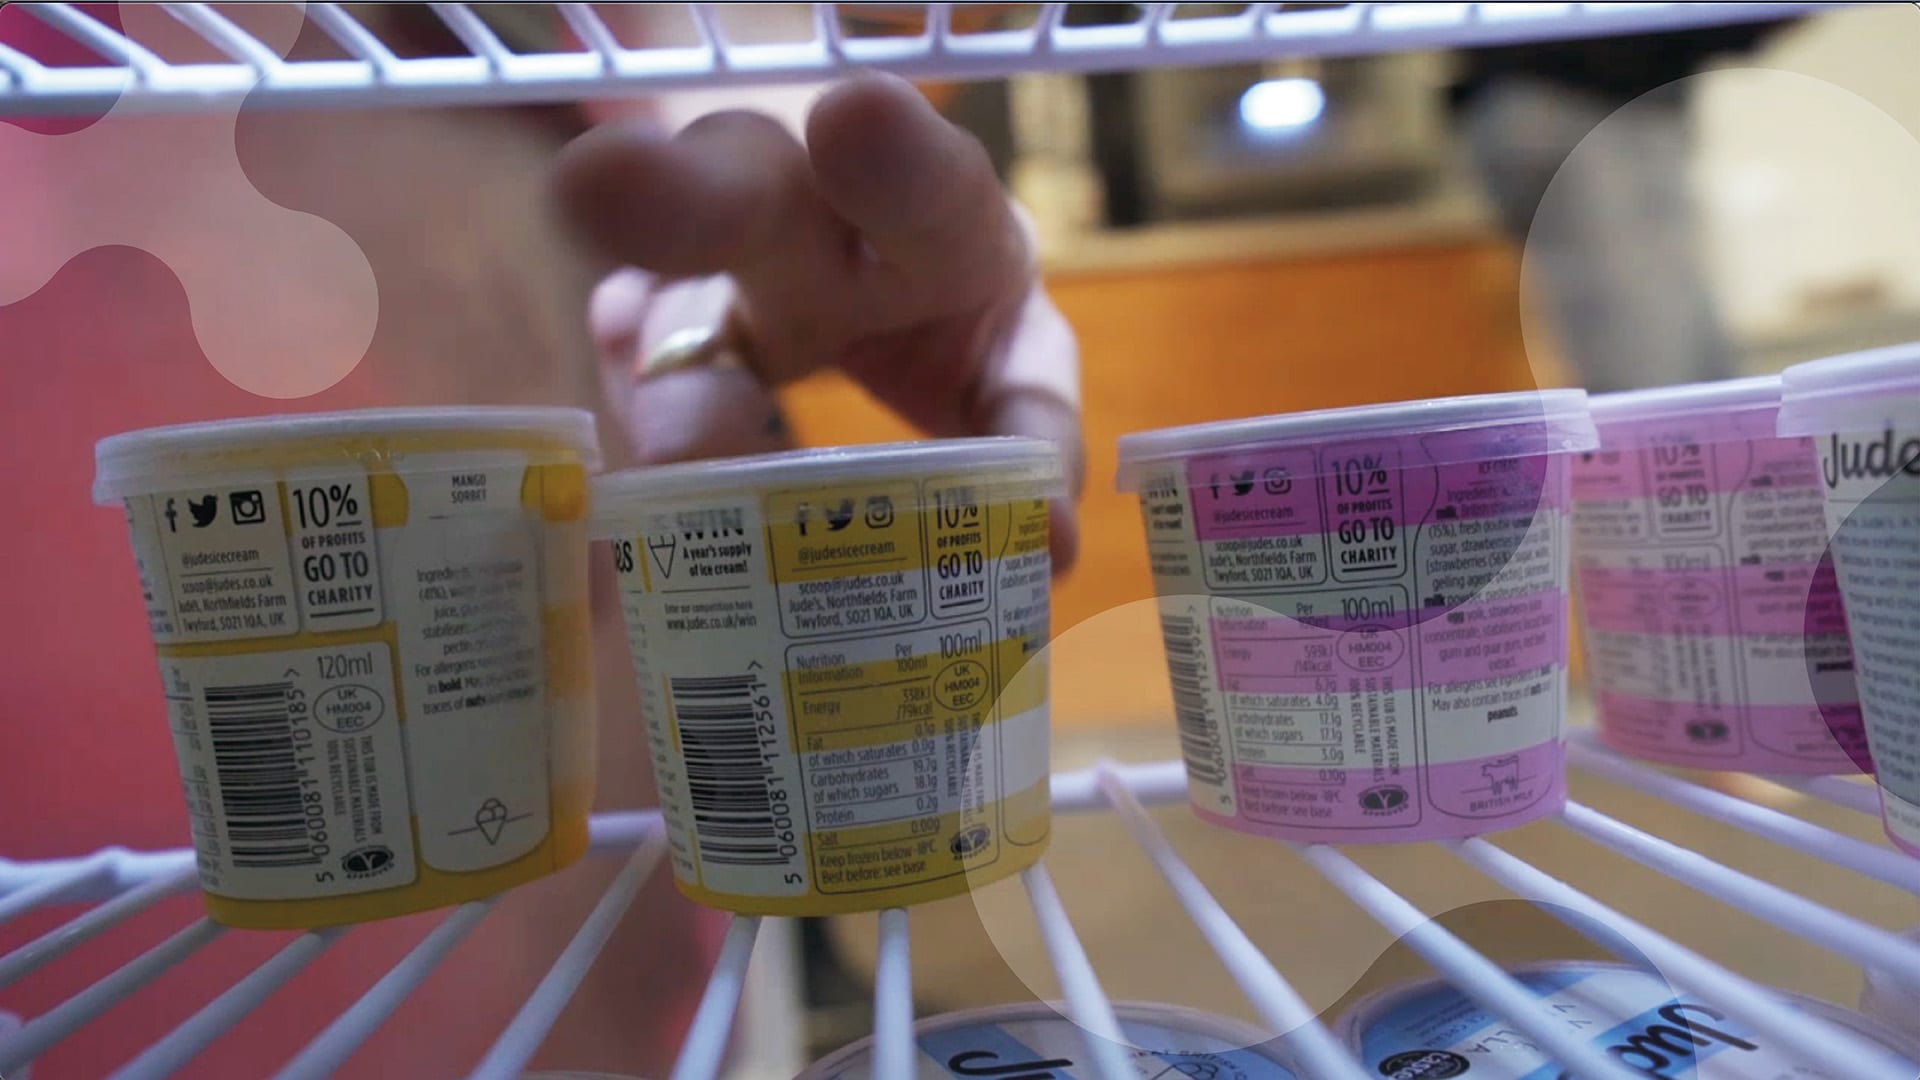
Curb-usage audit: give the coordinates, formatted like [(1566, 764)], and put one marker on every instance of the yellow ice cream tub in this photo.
[(839, 655), (374, 644)]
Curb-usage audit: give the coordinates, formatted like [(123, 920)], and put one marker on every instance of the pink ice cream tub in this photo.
[(1713, 627), (1863, 413), (1365, 612)]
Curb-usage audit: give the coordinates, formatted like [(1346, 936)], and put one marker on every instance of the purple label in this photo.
[(1782, 599), (1368, 639), (1724, 736), (1309, 806), (1255, 495), (1703, 590)]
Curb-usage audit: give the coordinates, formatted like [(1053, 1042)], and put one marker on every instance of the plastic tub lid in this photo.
[(1009, 467), (142, 461), (1234, 1033), (1353, 1025), (1861, 391), (1757, 398), (1559, 417)]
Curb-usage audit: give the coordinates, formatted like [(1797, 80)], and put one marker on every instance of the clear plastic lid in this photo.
[(1224, 1035), (1723, 411), (1000, 469), (1863, 391), (155, 459), (1537, 422)]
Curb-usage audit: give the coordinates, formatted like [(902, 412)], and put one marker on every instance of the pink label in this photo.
[(1783, 599), (1680, 458), (1719, 735), (1701, 584), (1368, 639), (1312, 806), (1256, 495), (1469, 642)]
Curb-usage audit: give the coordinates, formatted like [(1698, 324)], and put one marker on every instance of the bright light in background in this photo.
[(1280, 105)]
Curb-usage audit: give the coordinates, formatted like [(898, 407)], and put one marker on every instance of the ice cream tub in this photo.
[(1713, 627), (1035, 1041), (1365, 612), (839, 661), (1430, 1030), (1862, 412), (374, 649)]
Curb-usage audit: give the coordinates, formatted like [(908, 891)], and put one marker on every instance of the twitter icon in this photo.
[(203, 510)]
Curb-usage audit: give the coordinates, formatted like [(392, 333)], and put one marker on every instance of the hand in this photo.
[(883, 247)]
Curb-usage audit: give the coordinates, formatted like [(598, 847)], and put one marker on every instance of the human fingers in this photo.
[(731, 194), (922, 195)]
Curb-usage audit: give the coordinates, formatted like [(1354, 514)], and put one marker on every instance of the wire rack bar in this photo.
[(101, 38), (1087, 1003), (223, 34), (62, 884), (355, 38), (183, 1043), (826, 28), (123, 870), (47, 1030), (131, 881), (1476, 976), (1156, 18), (1878, 863), (1084, 790), (706, 1039), (591, 29), (1859, 941), (1279, 1006), (90, 924), (9, 65), (621, 830), (1863, 798), (893, 998), (516, 1045), (474, 34), (332, 1047), (137, 79), (708, 28), (1811, 1040)]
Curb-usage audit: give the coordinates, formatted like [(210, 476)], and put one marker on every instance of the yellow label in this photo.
[(841, 690), (855, 532), (379, 681)]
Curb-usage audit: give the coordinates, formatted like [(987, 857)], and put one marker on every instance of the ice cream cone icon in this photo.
[(490, 819)]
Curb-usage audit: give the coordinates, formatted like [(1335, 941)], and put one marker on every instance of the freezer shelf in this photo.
[(125, 882), (133, 77)]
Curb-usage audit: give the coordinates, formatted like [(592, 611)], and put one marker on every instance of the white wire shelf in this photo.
[(378, 72), (123, 883)]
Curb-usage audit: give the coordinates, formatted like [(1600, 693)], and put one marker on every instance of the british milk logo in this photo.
[(1878, 459)]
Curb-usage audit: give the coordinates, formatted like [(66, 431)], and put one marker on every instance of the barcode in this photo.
[(726, 772), (259, 774), (1199, 740)]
